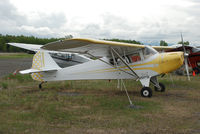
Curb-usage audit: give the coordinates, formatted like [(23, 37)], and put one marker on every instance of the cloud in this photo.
[(163, 23), (9, 14), (166, 28), (10, 19), (54, 20), (39, 24), (30, 30), (94, 31)]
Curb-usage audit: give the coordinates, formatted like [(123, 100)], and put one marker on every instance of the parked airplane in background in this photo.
[(193, 57), (110, 60)]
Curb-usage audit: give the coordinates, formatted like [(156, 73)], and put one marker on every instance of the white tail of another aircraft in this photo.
[(42, 62)]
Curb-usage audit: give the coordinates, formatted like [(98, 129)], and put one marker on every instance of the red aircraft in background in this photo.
[(193, 57)]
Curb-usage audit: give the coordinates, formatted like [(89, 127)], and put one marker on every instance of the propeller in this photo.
[(185, 58)]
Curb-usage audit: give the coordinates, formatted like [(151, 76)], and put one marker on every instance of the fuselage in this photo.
[(157, 64)]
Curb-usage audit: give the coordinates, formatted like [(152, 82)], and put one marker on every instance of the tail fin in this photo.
[(42, 62)]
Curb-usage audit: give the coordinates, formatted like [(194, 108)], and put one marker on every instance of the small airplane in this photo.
[(193, 57), (110, 60)]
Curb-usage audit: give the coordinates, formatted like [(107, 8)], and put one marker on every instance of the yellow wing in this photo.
[(99, 48), (162, 48)]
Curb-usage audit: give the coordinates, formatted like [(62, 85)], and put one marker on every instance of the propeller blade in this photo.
[(186, 68), (183, 44), (185, 58)]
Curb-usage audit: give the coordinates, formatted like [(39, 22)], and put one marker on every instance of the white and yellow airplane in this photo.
[(111, 60)]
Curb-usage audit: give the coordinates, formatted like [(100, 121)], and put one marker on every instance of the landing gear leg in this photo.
[(159, 87), (40, 85)]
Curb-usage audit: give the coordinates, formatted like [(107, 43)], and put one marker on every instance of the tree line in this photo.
[(164, 43), (4, 39), (125, 41)]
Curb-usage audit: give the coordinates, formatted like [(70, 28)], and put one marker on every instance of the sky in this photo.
[(141, 20)]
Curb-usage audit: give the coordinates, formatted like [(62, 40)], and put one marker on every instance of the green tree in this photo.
[(125, 41), (185, 43), (163, 43), (4, 39)]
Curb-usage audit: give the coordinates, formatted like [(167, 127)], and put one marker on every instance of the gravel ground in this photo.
[(10, 65)]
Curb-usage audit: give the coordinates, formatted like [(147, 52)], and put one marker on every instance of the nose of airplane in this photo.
[(181, 57), (172, 61)]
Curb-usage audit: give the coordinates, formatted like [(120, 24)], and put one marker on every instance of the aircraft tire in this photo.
[(146, 92), (162, 88)]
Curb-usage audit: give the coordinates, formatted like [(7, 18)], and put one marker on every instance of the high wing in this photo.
[(31, 47), (163, 48), (98, 48)]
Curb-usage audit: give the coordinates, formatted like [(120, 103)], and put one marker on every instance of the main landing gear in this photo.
[(146, 91), (160, 89)]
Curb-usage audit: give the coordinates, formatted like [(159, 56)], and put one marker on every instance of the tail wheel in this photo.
[(161, 89), (146, 92)]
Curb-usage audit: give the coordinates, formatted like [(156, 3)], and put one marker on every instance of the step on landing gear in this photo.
[(146, 92)]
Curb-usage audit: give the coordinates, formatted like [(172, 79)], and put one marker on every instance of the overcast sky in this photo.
[(142, 20)]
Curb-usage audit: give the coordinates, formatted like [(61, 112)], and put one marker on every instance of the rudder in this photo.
[(42, 61)]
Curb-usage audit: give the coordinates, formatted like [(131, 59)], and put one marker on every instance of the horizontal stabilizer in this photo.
[(29, 71)]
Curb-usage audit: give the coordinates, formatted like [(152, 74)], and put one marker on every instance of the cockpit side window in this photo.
[(118, 61), (135, 56), (149, 51)]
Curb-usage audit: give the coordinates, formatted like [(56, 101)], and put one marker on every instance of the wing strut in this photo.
[(124, 62), (110, 64), (122, 82), (119, 81)]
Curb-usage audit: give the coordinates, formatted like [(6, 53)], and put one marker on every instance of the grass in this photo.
[(4, 85), (15, 55), (97, 107)]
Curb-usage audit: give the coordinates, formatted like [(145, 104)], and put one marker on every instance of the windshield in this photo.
[(149, 51)]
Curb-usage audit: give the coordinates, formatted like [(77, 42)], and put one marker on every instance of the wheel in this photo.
[(161, 89), (146, 92)]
